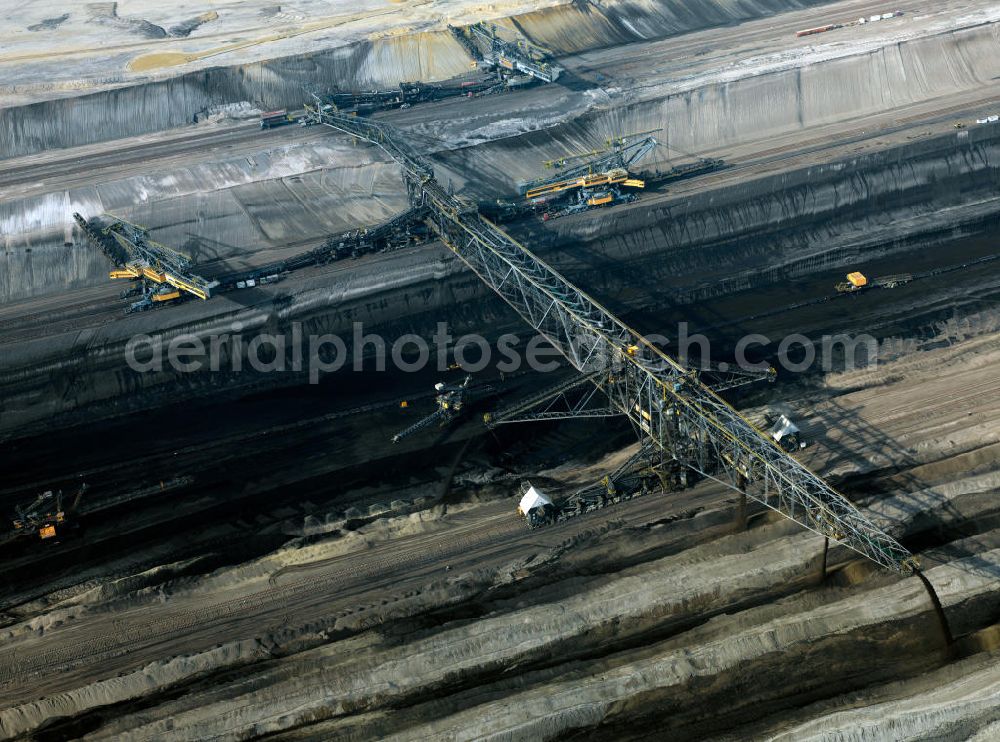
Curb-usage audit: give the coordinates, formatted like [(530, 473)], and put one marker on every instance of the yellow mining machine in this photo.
[(856, 281), (615, 176), (164, 273), (45, 515), (597, 181)]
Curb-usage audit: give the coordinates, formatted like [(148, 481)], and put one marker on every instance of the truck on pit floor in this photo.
[(858, 281)]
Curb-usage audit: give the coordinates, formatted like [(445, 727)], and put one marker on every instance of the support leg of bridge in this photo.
[(939, 611), (822, 566), (741, 514)]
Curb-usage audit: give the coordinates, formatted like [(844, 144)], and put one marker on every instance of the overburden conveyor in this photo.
[(678, 414)]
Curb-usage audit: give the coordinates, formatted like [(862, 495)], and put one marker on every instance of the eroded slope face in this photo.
[(701, 93), (778, 109), (103, 44)]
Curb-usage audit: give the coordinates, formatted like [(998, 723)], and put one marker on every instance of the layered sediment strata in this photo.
[(657, 254)]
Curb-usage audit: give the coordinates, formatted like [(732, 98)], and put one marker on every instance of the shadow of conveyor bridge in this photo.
[(925, 517)]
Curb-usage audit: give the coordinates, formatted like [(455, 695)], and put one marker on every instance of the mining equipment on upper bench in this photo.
[(162, 274), (45, 515), (365, 102), (684, 425), (402, 230), (597, 181), (489, 50), (860, 22), (619, 153), (599, 177), (589, 184), (271, 119)]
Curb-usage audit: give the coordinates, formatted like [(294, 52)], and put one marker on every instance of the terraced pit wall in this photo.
[(645, 256), (765, 231), (692, 115), (137, 105)]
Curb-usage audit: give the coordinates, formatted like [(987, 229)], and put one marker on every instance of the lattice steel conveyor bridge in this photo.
[(677, 412)]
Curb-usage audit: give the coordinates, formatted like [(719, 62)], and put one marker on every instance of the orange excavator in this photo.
[(45, 515)]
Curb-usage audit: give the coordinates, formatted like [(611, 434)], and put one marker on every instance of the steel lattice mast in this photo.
[(677, 413)]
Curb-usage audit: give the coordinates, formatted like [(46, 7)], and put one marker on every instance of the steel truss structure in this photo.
[(519, 56), (679, 414), (135, 256), (622, 155), (636, 464), (553, 403), (720, 377), (439, 416)]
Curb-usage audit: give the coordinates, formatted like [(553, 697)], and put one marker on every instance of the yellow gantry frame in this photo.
[(143, 270), (611, 177), (134, 271)]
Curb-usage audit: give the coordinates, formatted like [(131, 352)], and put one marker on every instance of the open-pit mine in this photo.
[(568, 369)]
